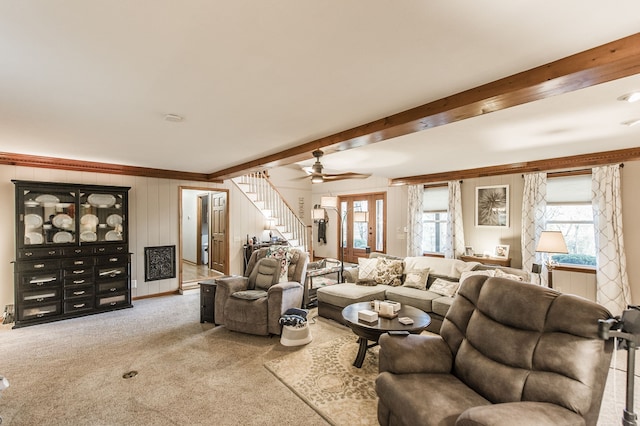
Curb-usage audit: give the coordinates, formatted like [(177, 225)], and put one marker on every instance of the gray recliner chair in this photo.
[(254, 303), (508, 354)]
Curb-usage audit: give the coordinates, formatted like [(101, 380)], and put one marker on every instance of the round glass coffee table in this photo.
[(371, 331)]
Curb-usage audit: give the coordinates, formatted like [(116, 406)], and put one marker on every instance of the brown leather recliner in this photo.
[(508, 354), (254, 303)]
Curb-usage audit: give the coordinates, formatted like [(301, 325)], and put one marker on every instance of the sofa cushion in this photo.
[(438, 265), (342, 295), (389, 271), (416, 278), (249, 294), (467, 274), (500, 273), (420, 299), (441, 305), (367, 270)]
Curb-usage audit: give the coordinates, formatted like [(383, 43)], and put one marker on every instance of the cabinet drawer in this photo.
[(78, 280), (38, 311), (41, 295), (107, 273), (110, 301), (79, 291), (77, 251), (114, 259), (38, 265), (111, 249), (78, 305), (79, 261), (113, 286), (45, 279), (25, 254), (80, 271)]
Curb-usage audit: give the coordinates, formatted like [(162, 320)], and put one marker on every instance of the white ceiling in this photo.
[(93, 80)]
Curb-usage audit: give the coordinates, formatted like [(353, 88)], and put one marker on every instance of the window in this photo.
[(569, 211), (434, 219)]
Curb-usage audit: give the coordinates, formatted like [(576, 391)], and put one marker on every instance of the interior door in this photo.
[(217, 246), (363, 225)]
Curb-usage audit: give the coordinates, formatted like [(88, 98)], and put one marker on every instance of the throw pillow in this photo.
[(389, 271), (444, 287), (367, 270), (417, 278), (283, 255), (467, 274), (502, 274)]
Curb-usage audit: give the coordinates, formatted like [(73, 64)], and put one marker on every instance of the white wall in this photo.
[(190, 225)]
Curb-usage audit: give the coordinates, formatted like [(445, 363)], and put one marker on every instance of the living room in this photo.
[(41, 146)]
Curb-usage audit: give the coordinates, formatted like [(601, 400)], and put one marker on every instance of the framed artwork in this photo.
[(501, 251), (159, 263), (492, 206), (468, 251)]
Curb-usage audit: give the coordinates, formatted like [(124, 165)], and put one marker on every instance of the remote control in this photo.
[(405, 320)]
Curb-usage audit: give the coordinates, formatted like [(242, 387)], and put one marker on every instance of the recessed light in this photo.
[(631, 122), (173, 117), (630, 97)]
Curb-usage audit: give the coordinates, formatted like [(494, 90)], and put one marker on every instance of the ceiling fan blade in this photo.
[(349, 175)]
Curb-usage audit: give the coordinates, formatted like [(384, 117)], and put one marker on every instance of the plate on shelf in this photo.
[(88, 236), (31, 203), (47, 198), (89, 219), (101, 200), (33, 238), (62, 221), (113, 236), (33, 221), (63, 237), (113, 220)]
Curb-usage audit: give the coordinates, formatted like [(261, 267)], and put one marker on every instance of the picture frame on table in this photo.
[(501, 251), (492, 206), (468, 251)]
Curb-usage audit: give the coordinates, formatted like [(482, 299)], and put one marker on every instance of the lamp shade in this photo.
[(552, 242), (317, 214), (361, 216), (329, 202)]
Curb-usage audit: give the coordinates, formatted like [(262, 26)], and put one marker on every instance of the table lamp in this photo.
[(551, 242)]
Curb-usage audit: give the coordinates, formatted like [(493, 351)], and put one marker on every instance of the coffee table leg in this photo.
[(362, 351)]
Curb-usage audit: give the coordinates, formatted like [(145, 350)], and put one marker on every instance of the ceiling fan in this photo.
[(318, 177)]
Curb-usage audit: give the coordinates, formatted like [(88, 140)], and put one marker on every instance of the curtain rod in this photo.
[(577, 172)]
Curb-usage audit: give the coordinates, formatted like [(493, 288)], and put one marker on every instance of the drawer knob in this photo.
[(52, 252), (78, 281), (78, 293), (113, 259), (113, 289), (79, 262), (79, 271), (29, 253), (80, 305), (38, 266)]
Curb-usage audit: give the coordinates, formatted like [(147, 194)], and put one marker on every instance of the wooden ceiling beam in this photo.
[(611, 61)]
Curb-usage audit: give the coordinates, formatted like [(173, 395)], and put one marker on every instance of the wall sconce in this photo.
[(551, 242)]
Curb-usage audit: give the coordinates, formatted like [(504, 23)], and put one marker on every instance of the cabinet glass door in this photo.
[(49, 217), (101, 217)]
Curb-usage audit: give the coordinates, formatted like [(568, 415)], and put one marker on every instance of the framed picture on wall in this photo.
[(492, 206), (501, 251)]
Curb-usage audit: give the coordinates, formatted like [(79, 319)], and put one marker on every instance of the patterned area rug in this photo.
[(324, 377)]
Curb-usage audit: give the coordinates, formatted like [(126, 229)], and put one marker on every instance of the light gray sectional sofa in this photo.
[(333, 299)]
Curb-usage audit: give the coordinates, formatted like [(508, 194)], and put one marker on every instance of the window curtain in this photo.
[(414, 220), (534, 204), (612, 282), (454, 244)]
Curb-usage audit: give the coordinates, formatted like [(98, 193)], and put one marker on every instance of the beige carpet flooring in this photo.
[(70, 372)]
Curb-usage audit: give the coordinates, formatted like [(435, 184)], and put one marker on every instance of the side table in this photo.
[(207, 300)]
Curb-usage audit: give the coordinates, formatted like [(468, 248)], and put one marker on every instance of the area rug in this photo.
[(324, 377)]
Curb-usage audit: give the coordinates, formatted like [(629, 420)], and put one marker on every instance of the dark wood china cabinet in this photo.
[(72, 251)]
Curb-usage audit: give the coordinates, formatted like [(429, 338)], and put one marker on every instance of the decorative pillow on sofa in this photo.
[(417, 278), (444, 287), (389, 271), (467, 274), (283, 255), (367, 270), (503, 274)]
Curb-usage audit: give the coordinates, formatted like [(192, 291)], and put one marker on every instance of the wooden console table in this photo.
[(487, 260)]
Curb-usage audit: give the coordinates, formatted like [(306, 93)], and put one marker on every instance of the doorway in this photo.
[(203, 251), (363, 219)]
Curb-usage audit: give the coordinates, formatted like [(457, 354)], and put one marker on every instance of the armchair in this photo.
[(508, 354), (254, 303)]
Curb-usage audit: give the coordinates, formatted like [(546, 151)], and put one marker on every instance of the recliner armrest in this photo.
[(284, 286), (232, 284), (414, 354), (524, 413)]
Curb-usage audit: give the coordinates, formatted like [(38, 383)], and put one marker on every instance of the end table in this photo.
[(207, 300)]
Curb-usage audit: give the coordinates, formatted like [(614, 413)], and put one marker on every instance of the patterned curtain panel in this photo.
[(454, 244), (534, 204), (414, 220), (612, 282)]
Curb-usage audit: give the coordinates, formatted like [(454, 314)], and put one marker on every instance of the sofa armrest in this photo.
[(351, 274), (281, 297), (414, 354), (225, 287), (525, 413)]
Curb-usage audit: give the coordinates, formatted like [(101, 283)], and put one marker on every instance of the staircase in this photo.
[(259, 189)]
